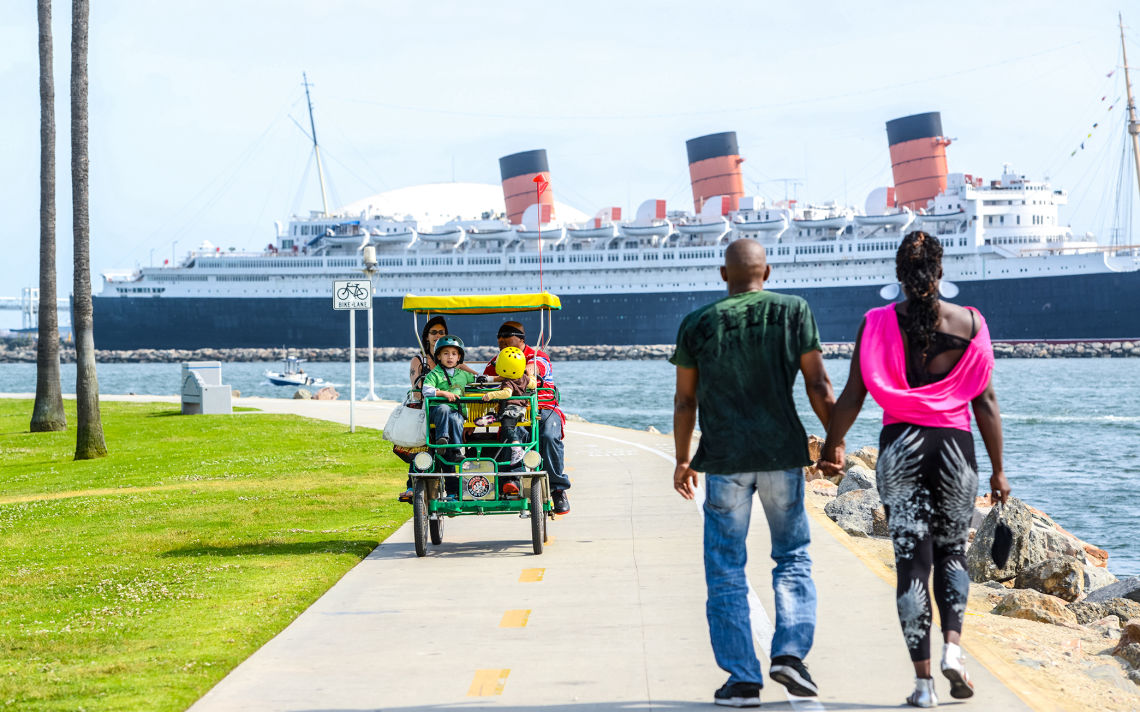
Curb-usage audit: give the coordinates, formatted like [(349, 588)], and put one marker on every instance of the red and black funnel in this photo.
[(518, 171), (714, 168), (918, 158)]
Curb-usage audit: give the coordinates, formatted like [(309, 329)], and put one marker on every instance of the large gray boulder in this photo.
[(858, 477), (1024, 552), (1062, 577), (858, 512), (1128, 588), (1097, 577), (1087, 612)]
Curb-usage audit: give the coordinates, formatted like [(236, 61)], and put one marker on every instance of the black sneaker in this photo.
[(738, 694), (790, 672), (561, 502)]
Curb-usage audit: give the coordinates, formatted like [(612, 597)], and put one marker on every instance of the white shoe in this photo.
[(955, 671), (923, 695)]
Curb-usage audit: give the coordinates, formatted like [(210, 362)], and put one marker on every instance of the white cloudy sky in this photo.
[(192, 104)]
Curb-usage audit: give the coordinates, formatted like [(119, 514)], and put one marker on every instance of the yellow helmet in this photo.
[(511, 363)]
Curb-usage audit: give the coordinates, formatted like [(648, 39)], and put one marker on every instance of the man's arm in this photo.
[(831, 458), (684, 421), (818, 386)]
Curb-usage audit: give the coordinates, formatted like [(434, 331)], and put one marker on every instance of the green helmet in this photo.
[(449, 341)]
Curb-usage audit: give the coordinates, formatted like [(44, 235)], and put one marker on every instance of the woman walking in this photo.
[(925, 361)]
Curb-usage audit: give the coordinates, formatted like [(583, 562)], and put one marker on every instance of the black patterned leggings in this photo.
[(927, 479)]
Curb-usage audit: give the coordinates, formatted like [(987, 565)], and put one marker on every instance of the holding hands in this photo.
[(832, 458)]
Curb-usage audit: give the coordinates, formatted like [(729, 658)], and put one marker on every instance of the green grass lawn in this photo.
[(139, 580)]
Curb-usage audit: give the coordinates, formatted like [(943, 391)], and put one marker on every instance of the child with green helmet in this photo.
[(448, 381)]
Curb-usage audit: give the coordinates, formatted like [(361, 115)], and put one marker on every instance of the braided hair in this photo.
[(918, 267)]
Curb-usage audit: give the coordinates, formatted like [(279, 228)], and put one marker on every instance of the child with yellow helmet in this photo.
[(512, 374)]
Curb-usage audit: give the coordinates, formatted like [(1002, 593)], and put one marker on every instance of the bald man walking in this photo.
[(737, 361)]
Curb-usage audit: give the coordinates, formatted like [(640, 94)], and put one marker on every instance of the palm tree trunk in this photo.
[(89, 441), (47, 413)]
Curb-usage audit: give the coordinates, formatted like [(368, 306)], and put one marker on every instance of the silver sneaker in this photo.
[(923, 695), (955, 671)]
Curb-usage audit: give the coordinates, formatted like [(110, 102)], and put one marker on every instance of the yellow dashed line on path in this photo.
[(531, 575), (488, 682), (515, 619)]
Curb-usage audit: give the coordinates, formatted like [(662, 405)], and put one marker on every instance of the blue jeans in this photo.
[(552, 449), (728, 507), (448, 424)]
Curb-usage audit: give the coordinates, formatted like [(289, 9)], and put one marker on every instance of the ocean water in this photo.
[(1071, 426)]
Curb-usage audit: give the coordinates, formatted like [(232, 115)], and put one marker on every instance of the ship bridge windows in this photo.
[(140, 290)]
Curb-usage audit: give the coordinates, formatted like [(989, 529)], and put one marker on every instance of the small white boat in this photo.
[(292, 374)]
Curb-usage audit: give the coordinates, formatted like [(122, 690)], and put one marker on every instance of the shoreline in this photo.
[(25, 352)]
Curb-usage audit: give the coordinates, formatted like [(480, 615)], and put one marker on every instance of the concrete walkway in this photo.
[(610, 617)]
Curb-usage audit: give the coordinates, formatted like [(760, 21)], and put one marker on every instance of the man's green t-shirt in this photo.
[(746, 349)]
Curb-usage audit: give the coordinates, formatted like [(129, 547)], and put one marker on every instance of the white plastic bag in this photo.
[(407, 426)]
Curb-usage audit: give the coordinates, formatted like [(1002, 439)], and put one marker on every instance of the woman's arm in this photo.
[(988, 415), (847, 407), (415, 369)]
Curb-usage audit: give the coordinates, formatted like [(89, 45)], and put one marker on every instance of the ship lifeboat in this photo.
[(713, 227), (653, 229), (836, 223), (602, 226), (760, 225), (445, 235), (551, 232), (940, 218), (899, 220), (496, 232), (604, 232), (405, 234)]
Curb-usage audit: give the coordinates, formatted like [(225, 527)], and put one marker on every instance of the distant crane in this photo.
[(28, 303)]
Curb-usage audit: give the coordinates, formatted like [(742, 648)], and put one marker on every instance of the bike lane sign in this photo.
[(352, 294)]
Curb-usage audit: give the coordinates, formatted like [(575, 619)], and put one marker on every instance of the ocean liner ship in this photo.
[(630, 281)]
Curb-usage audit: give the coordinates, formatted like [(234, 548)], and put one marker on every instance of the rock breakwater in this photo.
[(1051, 578), (24, 351)]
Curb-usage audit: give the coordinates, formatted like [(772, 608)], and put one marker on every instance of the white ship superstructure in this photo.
[(631, 280)]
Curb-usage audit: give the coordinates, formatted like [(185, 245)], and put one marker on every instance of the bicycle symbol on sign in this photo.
[(352, 290)]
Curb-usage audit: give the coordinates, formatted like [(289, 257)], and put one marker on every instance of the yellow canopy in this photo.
[(481, 303)]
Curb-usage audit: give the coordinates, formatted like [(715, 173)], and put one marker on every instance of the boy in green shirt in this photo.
[(448, 381)]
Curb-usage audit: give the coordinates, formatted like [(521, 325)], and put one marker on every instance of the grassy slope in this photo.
[(219, 531)]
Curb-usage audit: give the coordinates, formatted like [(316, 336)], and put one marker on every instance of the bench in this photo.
[(202, 389)]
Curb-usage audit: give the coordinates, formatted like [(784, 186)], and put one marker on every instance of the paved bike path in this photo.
[(610, 617)]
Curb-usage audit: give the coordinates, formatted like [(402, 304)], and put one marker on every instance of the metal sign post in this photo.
[(350, 295)]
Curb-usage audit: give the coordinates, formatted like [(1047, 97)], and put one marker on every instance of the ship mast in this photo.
[(317, 148), (1133, 124)]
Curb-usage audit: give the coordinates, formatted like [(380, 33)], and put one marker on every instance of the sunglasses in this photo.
[(437, 332), (509, 334)]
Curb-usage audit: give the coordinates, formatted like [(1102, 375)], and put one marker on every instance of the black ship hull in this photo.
[(1062, 308)]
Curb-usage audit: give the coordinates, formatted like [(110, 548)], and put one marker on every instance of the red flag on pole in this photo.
[(541, 182)]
